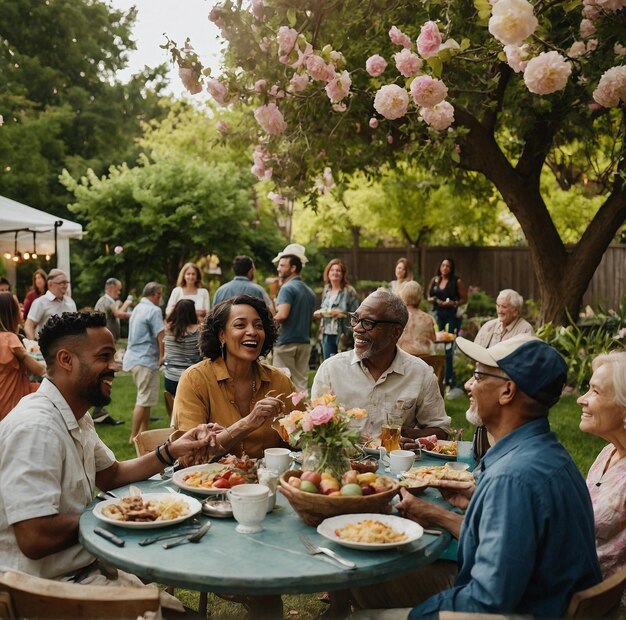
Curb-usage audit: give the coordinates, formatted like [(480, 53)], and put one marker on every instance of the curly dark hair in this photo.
[(62, 326), (216, 319)]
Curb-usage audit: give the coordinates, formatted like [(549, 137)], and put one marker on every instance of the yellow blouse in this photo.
[(205, 394)]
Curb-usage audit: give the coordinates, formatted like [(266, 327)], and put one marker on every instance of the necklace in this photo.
[(606, 467)]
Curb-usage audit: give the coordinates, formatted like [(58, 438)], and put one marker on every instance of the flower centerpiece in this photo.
[(324, 430)]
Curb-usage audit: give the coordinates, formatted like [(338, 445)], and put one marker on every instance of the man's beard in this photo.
[(472, 416), (92, 392)]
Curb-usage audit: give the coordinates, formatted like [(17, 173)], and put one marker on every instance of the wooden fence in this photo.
[(490, 269)]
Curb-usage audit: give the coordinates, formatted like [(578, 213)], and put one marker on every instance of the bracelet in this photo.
[(166, 445), (157, 451)]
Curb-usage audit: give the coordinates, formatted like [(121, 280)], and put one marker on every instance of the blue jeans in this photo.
[(454, 324), (329, 345)]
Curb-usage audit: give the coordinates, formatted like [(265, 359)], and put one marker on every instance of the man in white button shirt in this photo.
[(377, 373), (509, 322), (55, 301)]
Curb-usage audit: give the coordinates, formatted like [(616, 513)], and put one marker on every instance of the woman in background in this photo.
[(604, 415), (418, 337), (181, 343), (40, 286), (338, 299), (404, 273), (15, 363), (189, 286)]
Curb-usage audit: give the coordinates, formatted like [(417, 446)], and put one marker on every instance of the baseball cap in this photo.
[(536, 367)]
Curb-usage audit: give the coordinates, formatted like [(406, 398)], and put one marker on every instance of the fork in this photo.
[(314, 550)]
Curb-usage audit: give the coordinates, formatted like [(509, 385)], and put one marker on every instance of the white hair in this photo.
[(513, 296)]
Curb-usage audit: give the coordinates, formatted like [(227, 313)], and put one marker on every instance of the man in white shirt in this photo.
[(509, 322), (377, 374), (55, 301)]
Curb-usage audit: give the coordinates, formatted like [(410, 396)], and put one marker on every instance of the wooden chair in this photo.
[(438, 364), (25, 596), (147, 441), (599, 600), (169, 403)]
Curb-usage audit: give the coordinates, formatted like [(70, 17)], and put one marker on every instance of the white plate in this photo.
[(178, 478), (192, 502), (438, 455), (413, 530)]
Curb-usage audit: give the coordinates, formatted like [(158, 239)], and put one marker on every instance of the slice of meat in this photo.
[(428, 443)]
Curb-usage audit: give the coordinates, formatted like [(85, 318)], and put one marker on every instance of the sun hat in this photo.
[(536, 367), (293, 249)]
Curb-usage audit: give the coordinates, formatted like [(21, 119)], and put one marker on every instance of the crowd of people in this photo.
[(227, 394)]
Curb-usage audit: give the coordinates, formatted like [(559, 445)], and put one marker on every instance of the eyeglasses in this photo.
[(366, 324), (477, 374), (60, 281)]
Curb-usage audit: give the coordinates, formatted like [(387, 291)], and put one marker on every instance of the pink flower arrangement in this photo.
[(512, 21), (407, 62), (218, 90), (339, 88), (298, 83), (399, 38), (375, 65), (429, 40), (391, 101), (270, 118), (428, 91), (611, 88), (189, 78), (547, 73), (286, 39), (439, 117), (318, 69)]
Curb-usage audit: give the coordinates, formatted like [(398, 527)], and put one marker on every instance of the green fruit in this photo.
[(308, 487), (351, 489)]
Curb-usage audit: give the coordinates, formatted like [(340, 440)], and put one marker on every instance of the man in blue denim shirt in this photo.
[(527, 541)]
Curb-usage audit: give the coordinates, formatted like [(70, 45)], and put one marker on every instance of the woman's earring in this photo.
[(223, 347)]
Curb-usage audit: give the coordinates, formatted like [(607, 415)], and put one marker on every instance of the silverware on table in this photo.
[(314, 550), (153, 539), (103, 495), (193, 538), (433, 532), (110, 536)]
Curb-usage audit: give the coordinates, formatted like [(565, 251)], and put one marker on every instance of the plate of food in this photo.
[(438, 449), (371, 447), (148, 511), (369, 531), (417, 479), (216, 478)]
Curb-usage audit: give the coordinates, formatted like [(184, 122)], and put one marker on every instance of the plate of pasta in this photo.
[(148, 511), (370, 532)]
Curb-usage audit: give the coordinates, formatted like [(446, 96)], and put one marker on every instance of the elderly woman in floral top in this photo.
[(604, 415)]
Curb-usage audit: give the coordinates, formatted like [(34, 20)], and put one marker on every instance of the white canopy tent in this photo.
[(24, 229)]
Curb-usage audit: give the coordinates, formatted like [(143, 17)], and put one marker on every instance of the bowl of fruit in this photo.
[(316, 496)]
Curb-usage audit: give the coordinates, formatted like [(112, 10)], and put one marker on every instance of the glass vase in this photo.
[(322, 458)]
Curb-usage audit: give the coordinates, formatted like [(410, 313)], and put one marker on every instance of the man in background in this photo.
[(509, 322), (242, 283), (295, 305), (55, 301), (144, 354)]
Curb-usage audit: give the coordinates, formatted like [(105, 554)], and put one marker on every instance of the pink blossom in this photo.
[(296, 397), (391, 101), (318, 69), (339, 107), (118, 249), (590, 10), (279, 200), (399, 38), (189, 78), (261, 172), (373, 123), (619, 49), (286, 39), (218, 90), (257, 8), (264, 45), (611, 5), (337, 58), (222, 126), (578, 48), (428, 91), (298, 83), (303, 55), (260, 86), (270, 118), (389, 139), (611, 87), (429, 40), (512, 21), (321, 415), (439, 117), (592, 45), (547, 73), (587, 28), (516, 56), (276, 92), (407, 63), (339, 88), (449, 44), (375, 65)]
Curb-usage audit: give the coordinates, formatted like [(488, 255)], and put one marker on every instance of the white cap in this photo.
[(293, 249)]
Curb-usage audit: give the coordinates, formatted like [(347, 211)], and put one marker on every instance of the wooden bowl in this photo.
[(313, 508)]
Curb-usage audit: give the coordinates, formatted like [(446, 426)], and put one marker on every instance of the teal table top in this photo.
[(269, 562)]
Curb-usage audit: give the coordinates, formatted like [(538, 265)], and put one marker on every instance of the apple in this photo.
[(327, 476), (311, 476), (329, 484), (367, 478), (294, 482), (367, 489), (337, 492), (350, 477), (382, 484), (351, 489), (308, 487)]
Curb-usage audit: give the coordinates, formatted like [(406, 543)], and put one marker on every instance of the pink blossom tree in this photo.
[(510, 89)]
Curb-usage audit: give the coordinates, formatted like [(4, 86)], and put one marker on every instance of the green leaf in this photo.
[(455, 157), (291, 17), (436, 66), (465, 44)]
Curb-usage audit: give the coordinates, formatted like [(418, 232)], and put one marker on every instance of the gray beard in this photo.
[(473, 418)]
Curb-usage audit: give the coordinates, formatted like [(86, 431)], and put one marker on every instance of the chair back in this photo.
[(599, 600), (147, 441), (438, 364), (34, 597), (169, 403)]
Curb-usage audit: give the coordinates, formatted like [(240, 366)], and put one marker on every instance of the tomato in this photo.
[(236, 479), (226, 475), (221, 483)]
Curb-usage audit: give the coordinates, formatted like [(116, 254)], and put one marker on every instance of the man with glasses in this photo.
[(54, 302), (379, 377), (527, 542)]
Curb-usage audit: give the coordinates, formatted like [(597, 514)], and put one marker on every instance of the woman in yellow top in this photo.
[(231, 387)]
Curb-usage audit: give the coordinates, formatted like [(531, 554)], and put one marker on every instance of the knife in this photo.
[(116, 540), (194, 538), (153, 539)]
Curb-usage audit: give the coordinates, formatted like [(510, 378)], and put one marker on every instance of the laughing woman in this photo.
[(231, 387), (604, 415)]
